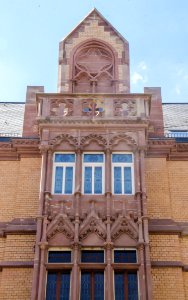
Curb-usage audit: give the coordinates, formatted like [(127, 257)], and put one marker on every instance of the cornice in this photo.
[(168, 226), (168, 148), (19, 147)]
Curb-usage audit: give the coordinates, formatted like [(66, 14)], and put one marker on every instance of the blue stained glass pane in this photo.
[(58, 180), (122, 158), (132, 286), (99, 286), (117, 180), (68, 180), (51, 286), (59, 257), (89, 256), (85, 286), (119, 286), (88, 180), (98, 180), (65, 286), (64, 157), (93, 158), (125, 256), (127, 180)]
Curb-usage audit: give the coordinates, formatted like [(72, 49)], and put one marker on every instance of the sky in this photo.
[(157, 32)]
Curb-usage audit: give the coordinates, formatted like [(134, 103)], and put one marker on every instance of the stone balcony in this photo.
[(102, 107)]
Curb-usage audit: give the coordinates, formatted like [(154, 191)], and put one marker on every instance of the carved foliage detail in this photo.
[(61, 224), (125, 108), (128, 139), (64, 137), (124, 225), (87, 139), (61, 107), (92, 224)]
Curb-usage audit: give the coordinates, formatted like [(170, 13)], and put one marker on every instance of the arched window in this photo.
[(93, 69)]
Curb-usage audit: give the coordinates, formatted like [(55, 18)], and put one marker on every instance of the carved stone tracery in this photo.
[(64, 137), (93, 68), (93, 137), (125, 108), (124, 224), (61, 107)]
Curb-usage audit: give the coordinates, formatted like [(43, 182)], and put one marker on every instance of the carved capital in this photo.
[(108, 245)]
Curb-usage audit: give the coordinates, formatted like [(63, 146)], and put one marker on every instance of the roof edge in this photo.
[(95, 10)]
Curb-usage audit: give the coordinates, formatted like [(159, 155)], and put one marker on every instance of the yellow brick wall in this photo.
[(19, 248), (165, 248), (184, 249), (157, 185), (16, 284), (167, 189), (168, 284), (178, 176), (2, 248), (19, 188), (185, 278)]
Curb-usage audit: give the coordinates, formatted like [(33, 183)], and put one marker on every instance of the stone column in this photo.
[(145, 226), (108, 171), (43, 244), (35, 281)]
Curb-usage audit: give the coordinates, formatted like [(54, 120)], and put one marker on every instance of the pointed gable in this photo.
[(94, 29)]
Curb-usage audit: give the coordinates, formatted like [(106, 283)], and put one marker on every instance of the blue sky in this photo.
[(157, 31)]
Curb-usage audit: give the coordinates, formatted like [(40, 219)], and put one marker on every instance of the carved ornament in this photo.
[(122, 137), (125, 108), (125, 225), (64, 137), (61, 107), (93, 137), (61, 224)]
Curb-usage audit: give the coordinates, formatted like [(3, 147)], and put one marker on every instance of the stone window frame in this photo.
[(59, 267), (90, 164), (64, 165), (92, 267), (122, 165)]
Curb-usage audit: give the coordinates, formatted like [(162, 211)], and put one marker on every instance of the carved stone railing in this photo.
[(93, 106)]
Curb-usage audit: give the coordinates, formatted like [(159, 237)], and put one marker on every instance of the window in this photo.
[(59, 257), (92, 285), (92, 256), (58, 282), (63, 173), (126, 285), (125, 256), (58, 285), (93, 173), (125, 281), (92, 281), (122, 173)]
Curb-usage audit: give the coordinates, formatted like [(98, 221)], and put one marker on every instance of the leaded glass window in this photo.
[(92, 256), (58, 285), (59, 256), (123, 173), (93, 173), (63, 173), (126, 285), (92, 285), (125, 256)]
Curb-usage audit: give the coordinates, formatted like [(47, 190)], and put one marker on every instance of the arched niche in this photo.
[(93, 68)]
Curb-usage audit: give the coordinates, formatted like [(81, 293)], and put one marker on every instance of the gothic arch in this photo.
[(86, 140), (61, 224), (124, 225), (94, 67), (122, 137), (73, 141)]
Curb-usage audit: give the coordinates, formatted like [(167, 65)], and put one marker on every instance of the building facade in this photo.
[(94, 192)]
